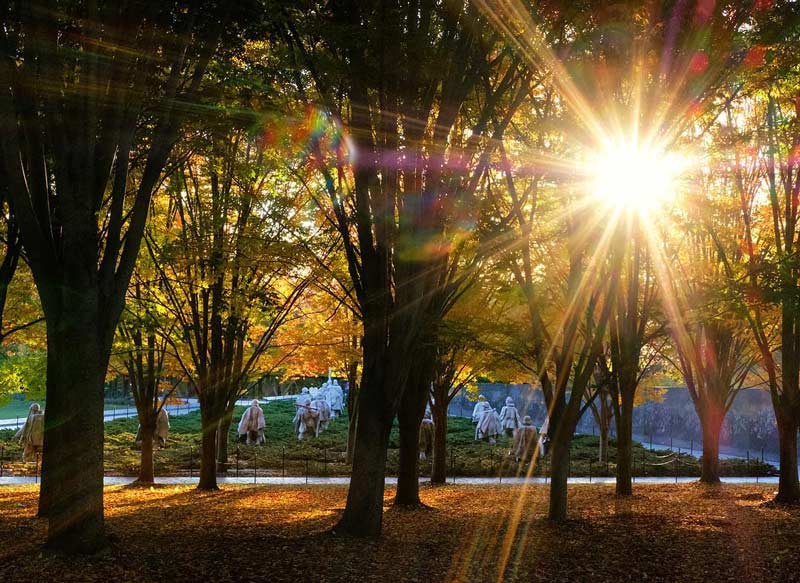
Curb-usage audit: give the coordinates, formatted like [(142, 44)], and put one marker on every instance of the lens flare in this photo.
[(629, 177)]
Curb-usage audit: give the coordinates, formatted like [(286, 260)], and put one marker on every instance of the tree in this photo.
[(395, 180), (142, 347), (631, 329), (81, 164), (602, 403), (326, 335), (459, 360), (222, 242)]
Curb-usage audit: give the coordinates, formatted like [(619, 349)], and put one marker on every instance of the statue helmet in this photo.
[(509, 401), (34, 408), (526, 420), (254, 403), (481, 398)]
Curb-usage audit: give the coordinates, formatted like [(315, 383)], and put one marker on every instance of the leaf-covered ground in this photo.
[(326, 455), (681, 533)]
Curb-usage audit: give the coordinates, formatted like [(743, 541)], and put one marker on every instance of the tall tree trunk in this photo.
[(363, 513), (73, 448), (146, 471), (788, 486), (603, 454), (439, 468), (352, 423), (412, 409), (208, 447), (352, 410), (625, 445), (559, 474), (223, 431), (711, 426)]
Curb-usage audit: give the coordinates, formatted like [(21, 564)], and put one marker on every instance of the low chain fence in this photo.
[(471, 461)]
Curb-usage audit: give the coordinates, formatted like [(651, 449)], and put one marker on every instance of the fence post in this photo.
[(670, 441), (691, 447)]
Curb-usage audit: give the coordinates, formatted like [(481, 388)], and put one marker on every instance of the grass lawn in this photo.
[(326, 455), (665, 533)]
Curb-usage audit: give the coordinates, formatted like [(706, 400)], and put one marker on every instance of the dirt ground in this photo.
[(676, 533)]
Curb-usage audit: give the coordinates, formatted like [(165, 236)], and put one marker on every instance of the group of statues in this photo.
[(31, 434), (316, 408), (489, 425)]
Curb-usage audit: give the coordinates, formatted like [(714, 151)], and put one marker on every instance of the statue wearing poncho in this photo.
[(300, 403), (31, 434), (426, 436), (509, 417), (161, 432), (525, 439), (162, 427), (251, 425), (480, 408), (488, 426), (307, 417)]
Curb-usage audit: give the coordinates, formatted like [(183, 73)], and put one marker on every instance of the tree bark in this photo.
[(788, 486), (208, 466), (146, 470), (439, 468), (223, 431), (625, 446), (208, 449), (352, 411), (603, 455), (73, 447), (412, 409), (559, 474), (709, 472), (408, 468), (363, 513)]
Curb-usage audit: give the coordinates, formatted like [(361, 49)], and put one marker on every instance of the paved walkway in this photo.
[(343, 481)]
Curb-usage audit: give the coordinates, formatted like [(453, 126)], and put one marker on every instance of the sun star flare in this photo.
[(628, 176)]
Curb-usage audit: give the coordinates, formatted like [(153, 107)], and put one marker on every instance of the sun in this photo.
[(631, 177)]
